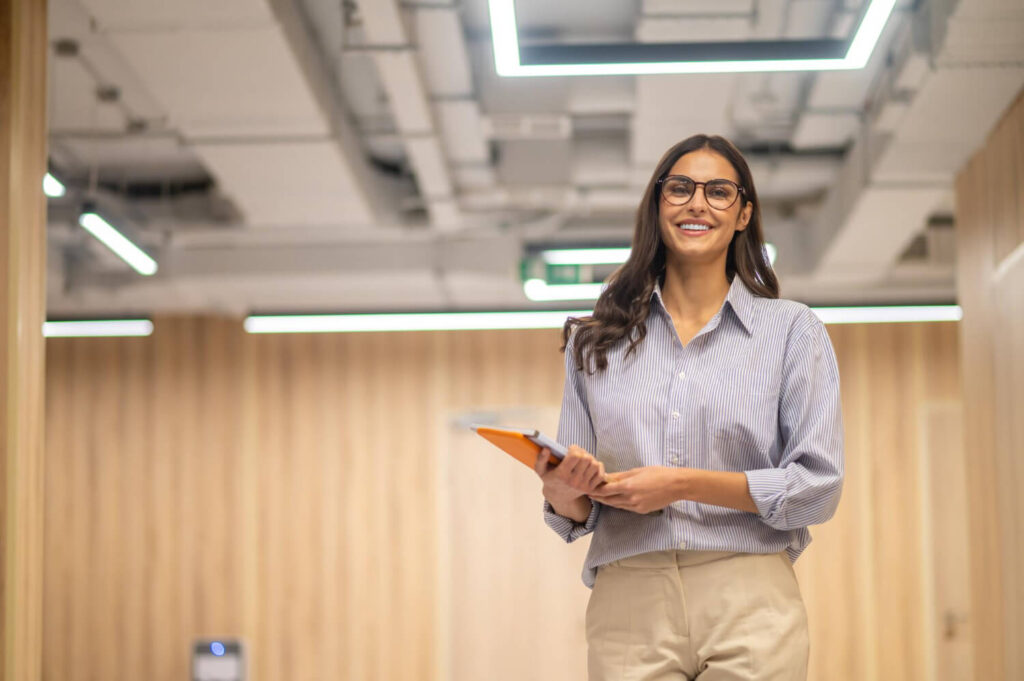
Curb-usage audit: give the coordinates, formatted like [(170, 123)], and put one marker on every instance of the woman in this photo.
[(706, 431)]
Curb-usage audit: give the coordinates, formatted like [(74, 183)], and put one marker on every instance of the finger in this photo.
[(605, 496), (570, 463), (615, 502), (540, 464), (586, 471), (595, 479)]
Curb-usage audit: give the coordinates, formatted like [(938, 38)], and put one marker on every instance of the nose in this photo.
[(699, 200)]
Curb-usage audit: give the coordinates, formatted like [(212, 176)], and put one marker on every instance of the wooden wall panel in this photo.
[(292, 490), (23, 53), (990, 262)]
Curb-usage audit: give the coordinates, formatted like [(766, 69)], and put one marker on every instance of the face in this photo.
[(685, 245)]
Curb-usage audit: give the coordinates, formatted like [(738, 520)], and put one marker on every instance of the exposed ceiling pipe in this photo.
[(400, 75), (923, 125), (323, 86)]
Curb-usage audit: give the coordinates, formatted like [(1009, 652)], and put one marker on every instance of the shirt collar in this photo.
[(739, 298)]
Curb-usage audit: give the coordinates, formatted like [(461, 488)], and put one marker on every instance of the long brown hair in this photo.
[(621, 311)]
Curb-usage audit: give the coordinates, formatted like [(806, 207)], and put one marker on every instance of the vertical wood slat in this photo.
[(947, 576), (989, 219), (23, 52)]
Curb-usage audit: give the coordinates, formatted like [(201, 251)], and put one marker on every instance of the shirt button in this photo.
[(682, 374), (675, 414), (682, 545)]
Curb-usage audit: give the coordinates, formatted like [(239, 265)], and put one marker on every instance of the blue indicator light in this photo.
[(217, 648)]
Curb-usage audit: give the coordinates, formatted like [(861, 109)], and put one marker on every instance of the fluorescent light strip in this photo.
[(540, 290), (586, 256), (864, 41), (423, 321), (115, 241), (95, 328), (53, 187), (889, 314), (469, 321), (607, 256), (505, 39)]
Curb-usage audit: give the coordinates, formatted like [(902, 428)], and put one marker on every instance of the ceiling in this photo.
[(339, 155)]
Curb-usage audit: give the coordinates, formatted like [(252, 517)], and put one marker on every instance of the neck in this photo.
[(694, 292)]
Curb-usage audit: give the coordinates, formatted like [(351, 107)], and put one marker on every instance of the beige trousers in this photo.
[(708, 615)]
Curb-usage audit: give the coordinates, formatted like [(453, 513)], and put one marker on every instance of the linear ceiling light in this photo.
[(420, 321), (606, 256), (53, 187), (98, 327), (889, 314), (468, 321), (115, 241), (585, 256), (540, 290), (660, 58)]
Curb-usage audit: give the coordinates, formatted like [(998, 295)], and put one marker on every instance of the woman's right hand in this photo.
[(576, 476)]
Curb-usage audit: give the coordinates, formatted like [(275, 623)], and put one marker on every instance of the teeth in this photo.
[(694, 227)]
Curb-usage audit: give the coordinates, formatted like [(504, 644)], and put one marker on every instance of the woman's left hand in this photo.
[(640, 490)]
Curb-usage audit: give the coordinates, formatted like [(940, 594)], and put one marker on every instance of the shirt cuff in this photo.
[(768, 490), (567, 528)]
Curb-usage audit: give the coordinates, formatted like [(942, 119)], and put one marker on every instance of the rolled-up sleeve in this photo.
[(574, 428), (805, 487)]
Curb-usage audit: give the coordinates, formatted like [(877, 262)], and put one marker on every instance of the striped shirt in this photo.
[(756, 390)]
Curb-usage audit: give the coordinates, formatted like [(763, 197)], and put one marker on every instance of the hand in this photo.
[(577, 475), (640, 490)]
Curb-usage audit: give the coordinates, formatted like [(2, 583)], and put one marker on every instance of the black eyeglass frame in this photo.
[(739, 190)]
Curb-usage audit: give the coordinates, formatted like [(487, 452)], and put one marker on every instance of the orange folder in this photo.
[(523, 444)]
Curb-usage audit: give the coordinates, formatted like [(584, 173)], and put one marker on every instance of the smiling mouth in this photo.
[(693, 227)]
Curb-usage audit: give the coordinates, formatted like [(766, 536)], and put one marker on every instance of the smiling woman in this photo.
[(705, 435), (671, 200)]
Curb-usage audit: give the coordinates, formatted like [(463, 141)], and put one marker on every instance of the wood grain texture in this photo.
[(946, 579), (23, 50), (990, 286), (299, 491)]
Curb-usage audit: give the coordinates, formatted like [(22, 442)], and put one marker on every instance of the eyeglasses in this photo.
[(679, 189)]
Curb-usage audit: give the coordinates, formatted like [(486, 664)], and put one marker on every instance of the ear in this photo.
[(744, 217)]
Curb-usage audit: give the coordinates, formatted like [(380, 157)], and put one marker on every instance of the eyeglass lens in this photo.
[(719, 194)]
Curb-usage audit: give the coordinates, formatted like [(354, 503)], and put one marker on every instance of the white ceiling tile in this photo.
[(225, 83), (600, 162), (73, 104), (824, 130), (695, 6), (287, 183), (118, 15)]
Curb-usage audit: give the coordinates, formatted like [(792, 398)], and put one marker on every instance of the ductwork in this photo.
[(933, 108), (407, 91), (238, 81)]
